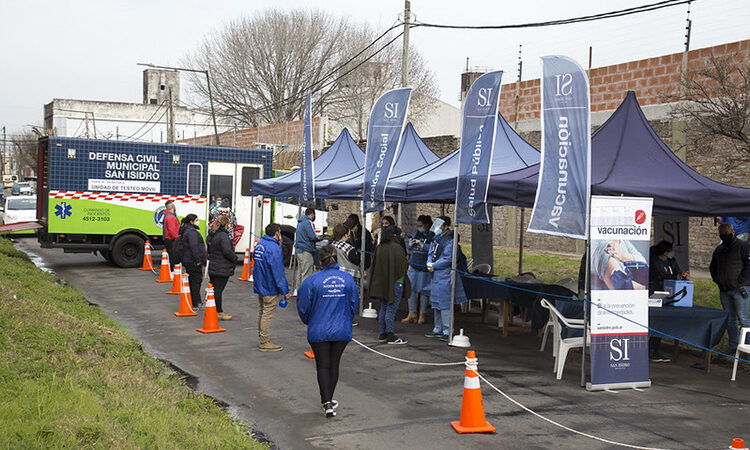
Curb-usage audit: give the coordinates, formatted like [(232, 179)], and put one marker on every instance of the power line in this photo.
[(146, 122), (589, 18)]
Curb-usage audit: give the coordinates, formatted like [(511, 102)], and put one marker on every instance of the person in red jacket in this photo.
[(171, 229)]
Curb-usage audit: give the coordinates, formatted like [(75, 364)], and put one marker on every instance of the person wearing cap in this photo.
[(326, 303), (439, 262)]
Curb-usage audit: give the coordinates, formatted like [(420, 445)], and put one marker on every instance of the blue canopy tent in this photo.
[(413, 154), (342, 157), (437, 182), (628, 158)]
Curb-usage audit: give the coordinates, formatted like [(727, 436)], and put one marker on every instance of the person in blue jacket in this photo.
[(741, 226), (326, 303), (439, 263), (269, 282), (304, 245), (420, 277)]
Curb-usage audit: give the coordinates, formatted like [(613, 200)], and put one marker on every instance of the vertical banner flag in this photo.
[(620, 237), (477, 146), (561, 205), (307, 171), (387, 121)]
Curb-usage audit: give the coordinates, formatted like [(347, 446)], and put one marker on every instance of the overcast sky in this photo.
[(89, 49)]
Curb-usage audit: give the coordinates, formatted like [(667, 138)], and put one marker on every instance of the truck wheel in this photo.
[(127, 251)]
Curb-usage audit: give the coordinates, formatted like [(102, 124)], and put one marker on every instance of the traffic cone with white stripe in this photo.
[(147, 263), (246, 271), (176, 280), (472, 409), (186, 302), (210, 318), (165, 275)]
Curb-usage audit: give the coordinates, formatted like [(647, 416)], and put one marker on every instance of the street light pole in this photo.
[(208, 82)]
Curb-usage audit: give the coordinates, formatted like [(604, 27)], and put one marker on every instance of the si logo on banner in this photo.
[(383, 136), (561, 204), (477, 147)]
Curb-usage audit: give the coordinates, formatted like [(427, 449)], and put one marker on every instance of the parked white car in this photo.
[(19, 209)]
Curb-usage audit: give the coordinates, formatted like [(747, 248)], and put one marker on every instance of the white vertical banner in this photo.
[(620, 238)]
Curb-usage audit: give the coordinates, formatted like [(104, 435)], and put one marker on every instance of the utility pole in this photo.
[(405, 52), (170, 117), (2, 161), (86, 118), (523, 210)]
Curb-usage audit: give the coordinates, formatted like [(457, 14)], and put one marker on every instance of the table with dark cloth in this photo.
[(525, 295), (697, 325)]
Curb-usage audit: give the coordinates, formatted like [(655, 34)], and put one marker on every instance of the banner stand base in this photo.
[(611, 386)]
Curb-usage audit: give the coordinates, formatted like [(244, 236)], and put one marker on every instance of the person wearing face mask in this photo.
[(421, 278), (439, 263), (269, 282), (194, 259), (388, 221), (730, 270), (389, 283), (662, 266)]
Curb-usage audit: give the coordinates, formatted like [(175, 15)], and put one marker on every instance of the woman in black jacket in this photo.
[(222, 260), (194, 257)]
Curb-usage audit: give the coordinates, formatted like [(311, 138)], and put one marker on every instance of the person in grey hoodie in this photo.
[(305, 245)]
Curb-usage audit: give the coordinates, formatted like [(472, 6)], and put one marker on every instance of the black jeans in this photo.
[(219, 282), (195, 277), (327, 359), (168, 243)]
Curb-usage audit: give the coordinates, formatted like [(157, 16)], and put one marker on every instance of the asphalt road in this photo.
[(388, 404)]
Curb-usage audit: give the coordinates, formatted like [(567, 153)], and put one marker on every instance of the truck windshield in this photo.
[(17, 204)]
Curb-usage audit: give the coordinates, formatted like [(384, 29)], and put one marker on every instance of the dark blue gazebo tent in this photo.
[(628, 158), (413, 154), (437, 182), (341, 158)]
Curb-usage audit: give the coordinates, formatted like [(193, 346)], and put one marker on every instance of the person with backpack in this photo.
[(193, 255), (327, 302), (222, 260), (439, 263), (170, 230)]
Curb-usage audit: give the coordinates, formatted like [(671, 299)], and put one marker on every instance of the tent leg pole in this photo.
[(453, 274), (587, 283), (520, 242), (362, 256)]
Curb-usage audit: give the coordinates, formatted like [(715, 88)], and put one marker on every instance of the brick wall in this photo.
[(288, 133), (652, 79)]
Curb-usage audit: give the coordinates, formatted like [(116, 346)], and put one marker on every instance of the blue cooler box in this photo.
[(673, 286)]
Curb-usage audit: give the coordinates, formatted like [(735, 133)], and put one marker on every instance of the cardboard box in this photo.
[(673, 286)]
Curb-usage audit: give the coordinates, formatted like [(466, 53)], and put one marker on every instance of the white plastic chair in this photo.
[(561, 346), (550, 324), (742, 347)]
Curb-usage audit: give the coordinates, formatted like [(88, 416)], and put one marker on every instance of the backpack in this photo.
[(178, 250)]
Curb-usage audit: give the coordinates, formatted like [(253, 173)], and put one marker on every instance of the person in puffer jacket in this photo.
[(223, 260), (326, 303), (194, 258)]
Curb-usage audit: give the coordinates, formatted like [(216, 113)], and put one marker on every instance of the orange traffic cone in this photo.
[(147, 263), (738, 443), (210, 319), (176, 280), (472, 410), (165, 275), (186, 303), (246, 270), (310, 354)]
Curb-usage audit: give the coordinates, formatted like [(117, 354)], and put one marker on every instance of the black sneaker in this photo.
[(657, 358), (393, 340), (443, 337), (335, 403), (382, 337), (432, 334), (328, 410)]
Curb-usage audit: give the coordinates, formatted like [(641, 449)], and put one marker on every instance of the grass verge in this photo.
[(70, 377)]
